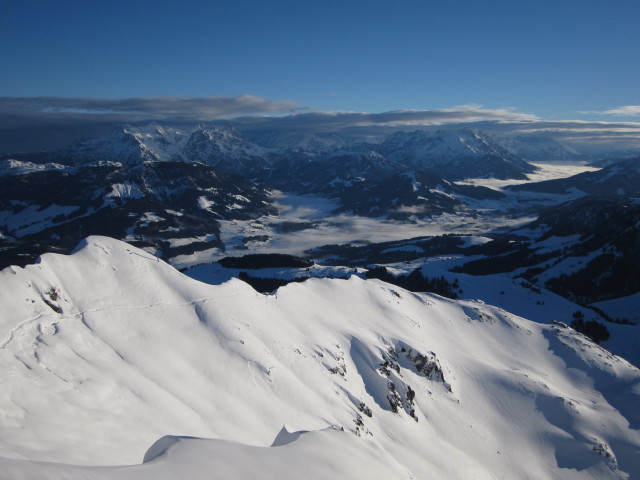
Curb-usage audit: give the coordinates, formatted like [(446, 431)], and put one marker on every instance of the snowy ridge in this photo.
[(19, 167), (108, 350)]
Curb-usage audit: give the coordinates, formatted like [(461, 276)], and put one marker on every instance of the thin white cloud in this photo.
[(460, 113), (320, 121), (629, 110), (625, 111), (60, 110)]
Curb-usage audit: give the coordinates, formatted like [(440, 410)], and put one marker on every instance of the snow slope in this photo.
[(333, 454), (106, 351)]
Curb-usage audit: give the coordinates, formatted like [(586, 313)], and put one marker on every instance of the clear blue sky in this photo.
[(548, 58)]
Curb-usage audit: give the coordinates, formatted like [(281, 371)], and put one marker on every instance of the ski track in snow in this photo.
[(81, 314)]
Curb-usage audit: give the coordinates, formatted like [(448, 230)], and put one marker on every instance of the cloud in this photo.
[(576, 129), (374, 123), (626, 111), (18, 112), (56, 111)]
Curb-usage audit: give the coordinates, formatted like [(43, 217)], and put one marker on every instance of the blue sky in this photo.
[(554, 60)]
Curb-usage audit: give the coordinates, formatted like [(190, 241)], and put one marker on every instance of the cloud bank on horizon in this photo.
[(625, 111), (37, 111), (54, 121)]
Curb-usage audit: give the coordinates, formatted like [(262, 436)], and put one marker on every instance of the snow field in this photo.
[(108, 350)]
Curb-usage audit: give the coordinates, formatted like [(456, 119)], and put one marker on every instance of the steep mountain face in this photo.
[(620, 179), (225, 150), (111, 350), (454, 154), (172, 208)]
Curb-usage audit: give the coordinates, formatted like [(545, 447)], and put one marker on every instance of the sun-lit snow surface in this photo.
[(107, 351), (318, 455)]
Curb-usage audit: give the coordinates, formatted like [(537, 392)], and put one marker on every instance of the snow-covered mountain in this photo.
[(224, 149), (172, 208), (108, 351), (454, 154), (130, 145), (112, 362)]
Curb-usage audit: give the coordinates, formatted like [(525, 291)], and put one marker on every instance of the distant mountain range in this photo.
[(148, 184), (452, 154), (167, 188)]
